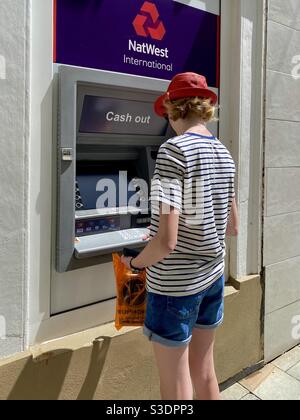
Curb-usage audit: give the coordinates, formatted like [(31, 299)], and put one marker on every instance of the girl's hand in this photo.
[(147, 237), (126, 261)]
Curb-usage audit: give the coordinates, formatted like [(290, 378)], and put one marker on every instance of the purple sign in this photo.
[(156, 38)]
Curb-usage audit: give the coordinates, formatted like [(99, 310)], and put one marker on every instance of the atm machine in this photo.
[(108, 142)]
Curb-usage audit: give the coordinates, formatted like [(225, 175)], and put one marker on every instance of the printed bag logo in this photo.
[(148, 22)]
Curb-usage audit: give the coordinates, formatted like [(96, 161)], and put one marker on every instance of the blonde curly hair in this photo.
[(191, 107)]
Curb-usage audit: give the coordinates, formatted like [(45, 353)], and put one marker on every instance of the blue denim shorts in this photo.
[(170, 320)]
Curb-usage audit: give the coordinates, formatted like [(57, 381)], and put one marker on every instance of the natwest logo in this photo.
[(148, 23)]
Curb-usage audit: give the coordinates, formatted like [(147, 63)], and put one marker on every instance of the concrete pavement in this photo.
[(279, 380)]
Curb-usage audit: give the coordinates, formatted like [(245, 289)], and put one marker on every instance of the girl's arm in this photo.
[(233, 221), (163, 243)]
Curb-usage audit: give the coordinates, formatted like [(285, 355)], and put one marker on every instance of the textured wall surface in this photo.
[(282, 191), (121, 365), (14, 123)]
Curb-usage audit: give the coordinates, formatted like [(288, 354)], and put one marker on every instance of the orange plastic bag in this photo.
[(131, 295)]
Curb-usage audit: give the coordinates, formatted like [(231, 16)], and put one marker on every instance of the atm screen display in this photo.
[(103, 191), (120, 116)]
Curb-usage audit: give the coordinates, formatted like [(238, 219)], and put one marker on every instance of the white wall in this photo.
[(241, 123), (14, 138), (282, 192), (41, 161), (211, 6)]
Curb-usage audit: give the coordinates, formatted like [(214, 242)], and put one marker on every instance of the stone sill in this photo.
[(86, 338)]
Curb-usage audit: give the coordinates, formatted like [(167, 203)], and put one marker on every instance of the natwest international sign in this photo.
[(155, 38), (149, 49)]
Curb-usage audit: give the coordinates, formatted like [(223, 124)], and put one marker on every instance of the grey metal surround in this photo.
[(71, 82)]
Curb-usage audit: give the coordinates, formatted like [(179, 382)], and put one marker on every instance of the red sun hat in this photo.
[(185, 85)]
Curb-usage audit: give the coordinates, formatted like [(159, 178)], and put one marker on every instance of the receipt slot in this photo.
[(108, 139)]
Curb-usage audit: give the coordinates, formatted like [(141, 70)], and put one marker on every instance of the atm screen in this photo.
[(119, 116), (103, 191)]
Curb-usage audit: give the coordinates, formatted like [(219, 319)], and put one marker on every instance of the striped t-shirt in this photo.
[(194, 174)]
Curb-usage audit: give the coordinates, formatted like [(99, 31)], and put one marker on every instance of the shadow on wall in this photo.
[(98, 357), (45, 377)]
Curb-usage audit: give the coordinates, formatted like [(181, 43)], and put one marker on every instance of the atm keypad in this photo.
[(128, 235)]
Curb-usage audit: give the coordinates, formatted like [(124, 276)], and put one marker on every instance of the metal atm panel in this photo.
[(89, 146)]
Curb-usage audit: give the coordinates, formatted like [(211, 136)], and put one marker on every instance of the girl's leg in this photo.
[(201, 359), (174, 372)]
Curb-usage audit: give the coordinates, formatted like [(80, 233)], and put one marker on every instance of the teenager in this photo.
[(194, 206)]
